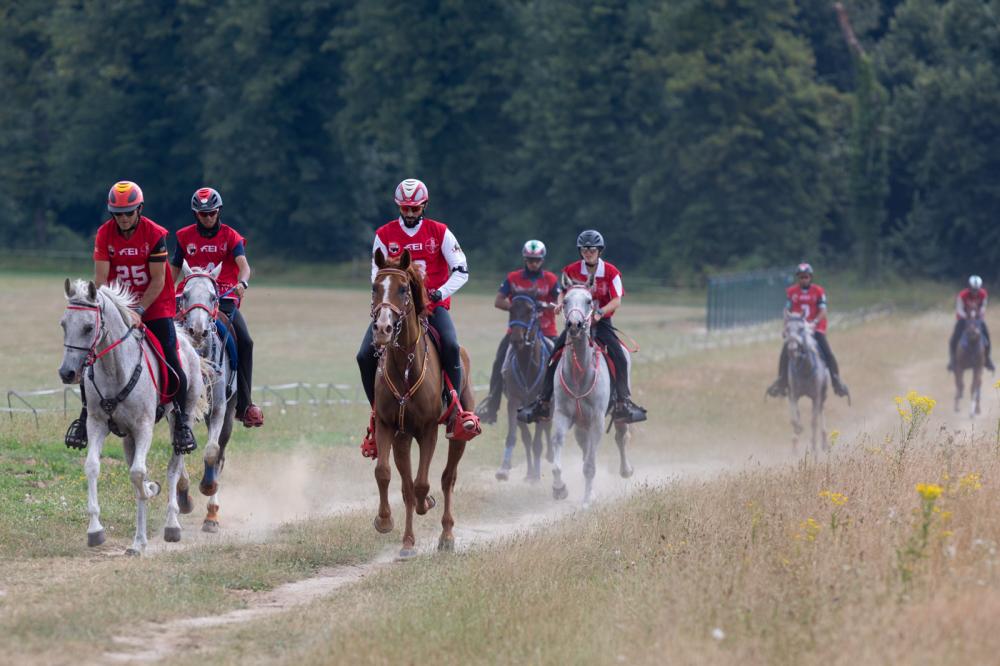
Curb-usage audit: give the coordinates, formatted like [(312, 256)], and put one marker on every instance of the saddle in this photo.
[(603, 349)]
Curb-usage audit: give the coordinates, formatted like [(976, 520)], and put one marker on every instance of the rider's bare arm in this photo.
[(822, 315), (101, 271), (157, 278), (501, 302), (612, 305), (244, 275)]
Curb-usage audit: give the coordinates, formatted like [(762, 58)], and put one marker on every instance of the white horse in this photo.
[(198, 310), (582, 393), (121, 370), (808, 376)]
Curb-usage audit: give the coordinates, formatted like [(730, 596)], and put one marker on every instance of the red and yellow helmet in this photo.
[(124, 197)]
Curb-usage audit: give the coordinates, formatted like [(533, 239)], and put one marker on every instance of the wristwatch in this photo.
[(141, 310), (600, 312), (244, 283)]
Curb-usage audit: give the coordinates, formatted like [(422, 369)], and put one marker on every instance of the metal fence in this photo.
[(745, 299)]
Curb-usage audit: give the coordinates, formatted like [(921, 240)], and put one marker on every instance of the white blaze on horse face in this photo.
[(383, 319)]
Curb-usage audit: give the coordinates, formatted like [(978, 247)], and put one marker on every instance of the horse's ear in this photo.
[(216, 271), (185, 269), (565, 281), (92, 290), (404, 261), (69, 290), (379, 259)]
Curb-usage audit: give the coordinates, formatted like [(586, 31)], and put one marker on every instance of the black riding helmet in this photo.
[(590, 238), (206, 199)]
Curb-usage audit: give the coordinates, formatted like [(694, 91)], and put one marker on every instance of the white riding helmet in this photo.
[(533, 249), (975, 281), (411, 192)]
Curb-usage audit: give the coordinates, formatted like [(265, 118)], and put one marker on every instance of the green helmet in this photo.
[(533, 249)]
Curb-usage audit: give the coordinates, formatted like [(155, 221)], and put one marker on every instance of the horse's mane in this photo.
[(119, 295), (418, 291)]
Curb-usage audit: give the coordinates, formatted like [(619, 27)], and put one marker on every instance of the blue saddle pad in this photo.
[(230, 343)]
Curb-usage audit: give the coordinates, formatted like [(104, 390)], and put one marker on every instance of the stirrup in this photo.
[(486, 412), (369, 447), (628, 411), (76, 435), (183, 439), (463, 426), (839, 387), (777, 389)]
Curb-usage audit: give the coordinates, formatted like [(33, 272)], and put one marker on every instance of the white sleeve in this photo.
[(617, 287), (455, 257), (379, 245)]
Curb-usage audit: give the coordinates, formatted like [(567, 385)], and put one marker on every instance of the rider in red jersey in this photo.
[(543, 286), (608, 292), (808, 299), (131, 249), (438, 256), (208, 243), (971, 302)]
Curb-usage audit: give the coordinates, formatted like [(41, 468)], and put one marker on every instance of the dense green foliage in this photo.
[(699, 135)]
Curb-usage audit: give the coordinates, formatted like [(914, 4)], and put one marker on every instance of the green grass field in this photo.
[(645, 578)]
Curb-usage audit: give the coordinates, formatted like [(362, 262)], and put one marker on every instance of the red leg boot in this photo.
[(369, 448)]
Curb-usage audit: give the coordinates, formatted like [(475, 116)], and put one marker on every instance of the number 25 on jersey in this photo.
[(135, 276)]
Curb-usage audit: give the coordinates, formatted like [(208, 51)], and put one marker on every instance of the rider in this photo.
[(531, 281), (608, 291), (809, 299), (207, 243), (436, 253), (971, 301), (131, 249)]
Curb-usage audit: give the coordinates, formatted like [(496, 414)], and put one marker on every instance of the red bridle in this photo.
[(214, 312), (92, 354)]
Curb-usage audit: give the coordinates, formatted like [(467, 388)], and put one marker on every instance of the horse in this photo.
[(970, 355), (121, 387), (523, 375), (808, 376), (408, 399), (198, 310), (582, 393)]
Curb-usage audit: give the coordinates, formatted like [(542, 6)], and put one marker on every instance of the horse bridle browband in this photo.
[(530, 326)]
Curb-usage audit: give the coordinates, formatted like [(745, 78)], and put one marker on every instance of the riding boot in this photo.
[(76, 434), (628, 411), (839, 387), (780, 386), (989, 360), (541, 408), (183, 439)]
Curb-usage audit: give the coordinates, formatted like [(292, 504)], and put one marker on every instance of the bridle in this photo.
[(585, 317), (214, 311), (402, 313), (531, 326), (92, 354)]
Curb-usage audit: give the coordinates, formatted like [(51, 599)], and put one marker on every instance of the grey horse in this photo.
[(582, 394), (808, 377), (523, 374), (199, 308), (97, 333), (970, 355)]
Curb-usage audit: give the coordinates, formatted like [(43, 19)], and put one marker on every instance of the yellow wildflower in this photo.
[(810, 529), (996, 384), (970, 482), (837, 498), (929, 491), (834, 436)]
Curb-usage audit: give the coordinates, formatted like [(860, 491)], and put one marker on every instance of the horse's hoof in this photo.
[(406, 554), (132, 552), (626, 472), (429, 503), (208, 489), (532, 478), (560, 493), (380, 528), (184, 501), (210, 526), (446, 544), (172, 534), (154, 489), (95, 538), (502, 474)]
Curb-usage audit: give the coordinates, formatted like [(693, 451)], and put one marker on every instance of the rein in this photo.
[(577, 366)]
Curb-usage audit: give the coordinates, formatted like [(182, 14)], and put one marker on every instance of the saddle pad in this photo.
[(161, 388), (224, 328)]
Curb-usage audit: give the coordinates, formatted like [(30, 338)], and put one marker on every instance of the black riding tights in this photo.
[(244, 354), (451, 358), (604, 333)]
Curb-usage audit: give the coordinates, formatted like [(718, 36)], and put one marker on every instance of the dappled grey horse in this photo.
[(123, 375), (808, 377), (198, 310), (582, 394), (970, 355), (523, 374)]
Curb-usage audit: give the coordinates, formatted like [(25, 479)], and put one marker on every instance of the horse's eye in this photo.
[(374, 288), (402, 291), (88, 328)]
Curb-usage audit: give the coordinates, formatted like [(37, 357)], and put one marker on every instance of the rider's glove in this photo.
[(435, 295)]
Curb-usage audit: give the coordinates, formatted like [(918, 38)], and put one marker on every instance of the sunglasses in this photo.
[(125, 215), (412, 210), (207, 213), (589, 248)]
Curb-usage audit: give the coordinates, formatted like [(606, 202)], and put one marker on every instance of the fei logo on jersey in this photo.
[(129, 251)]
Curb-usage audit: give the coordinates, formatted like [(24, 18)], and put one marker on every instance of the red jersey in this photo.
[(130, 259), (221, 248), (809, 301), (607, 281), (969, 302), (432, 247), (543, 286)]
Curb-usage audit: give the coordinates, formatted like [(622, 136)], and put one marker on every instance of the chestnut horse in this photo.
[(408, 398)]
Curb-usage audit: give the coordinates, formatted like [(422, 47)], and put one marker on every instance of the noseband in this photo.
[(584, 316), (214, 312), (531, 326), (402, 313)]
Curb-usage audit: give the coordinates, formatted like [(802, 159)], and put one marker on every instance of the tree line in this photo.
[(698, 135)]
